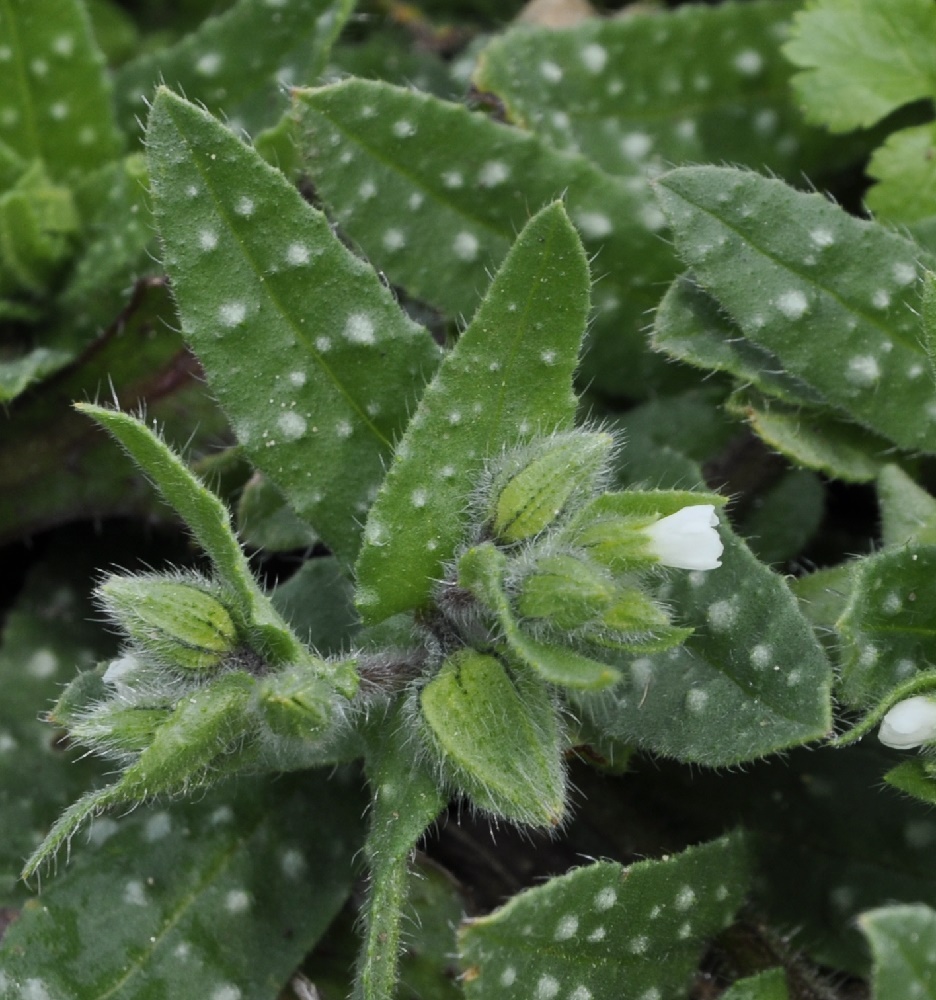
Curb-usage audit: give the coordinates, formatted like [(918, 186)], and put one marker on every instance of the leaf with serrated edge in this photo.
[(705, 84), (304, 347), (57, 100), (862, 59), (887, 629), (435, 195), (902, 939), (832, 296), (220, 64), (905, 172), (508, 379), (607, 931)]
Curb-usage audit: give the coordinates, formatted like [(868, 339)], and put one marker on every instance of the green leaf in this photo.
[(497, 738), (508, 379), (265, 520), (701, 84), (822, 596), (221, 63), (691, 326), (57, 101), (902, 939), (222, 896), (913, 778), (887, 629), (605, 931), (202, 511), (278, 310), (317, 601), (833, 297), (817, 439), (786, 517), (435, 194), (906, 177), (861, 59), (908, 512), (769, 985), (47, 633), (750, 680)]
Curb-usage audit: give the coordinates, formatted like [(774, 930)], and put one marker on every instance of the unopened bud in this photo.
[(535, 485), (179, 623), (567, 591)]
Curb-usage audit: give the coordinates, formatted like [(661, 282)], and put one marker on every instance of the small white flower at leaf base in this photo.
[(909, 724), (687, 539)]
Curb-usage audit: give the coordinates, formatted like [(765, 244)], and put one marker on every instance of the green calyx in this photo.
[(497, 738), (180, 623), (536, 484)]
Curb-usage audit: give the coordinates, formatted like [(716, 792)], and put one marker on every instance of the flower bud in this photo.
[(687, 539), (178, 622), (910, 723), (536, 484), (566, 590)]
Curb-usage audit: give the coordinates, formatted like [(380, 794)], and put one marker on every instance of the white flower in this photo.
[(909, 724), (687, 539)]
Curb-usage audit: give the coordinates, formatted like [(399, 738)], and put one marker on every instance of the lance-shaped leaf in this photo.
[(508, 379), (902, 939), (888, 628), (435, 194), (690, 325), (607, 931), (57, 101), (221, 897), (703, 84), (222, 63), (815, 438), (210, 522), (862, 59), (305, 348), (832, 296)]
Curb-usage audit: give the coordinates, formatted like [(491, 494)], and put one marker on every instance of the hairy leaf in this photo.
[(303, 346), (888, 629), (508, 379), (221, 63), (434, 194), (607, 931), (221, 897), (833, 297), (902, 940), (57, 100), (704, 84)]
